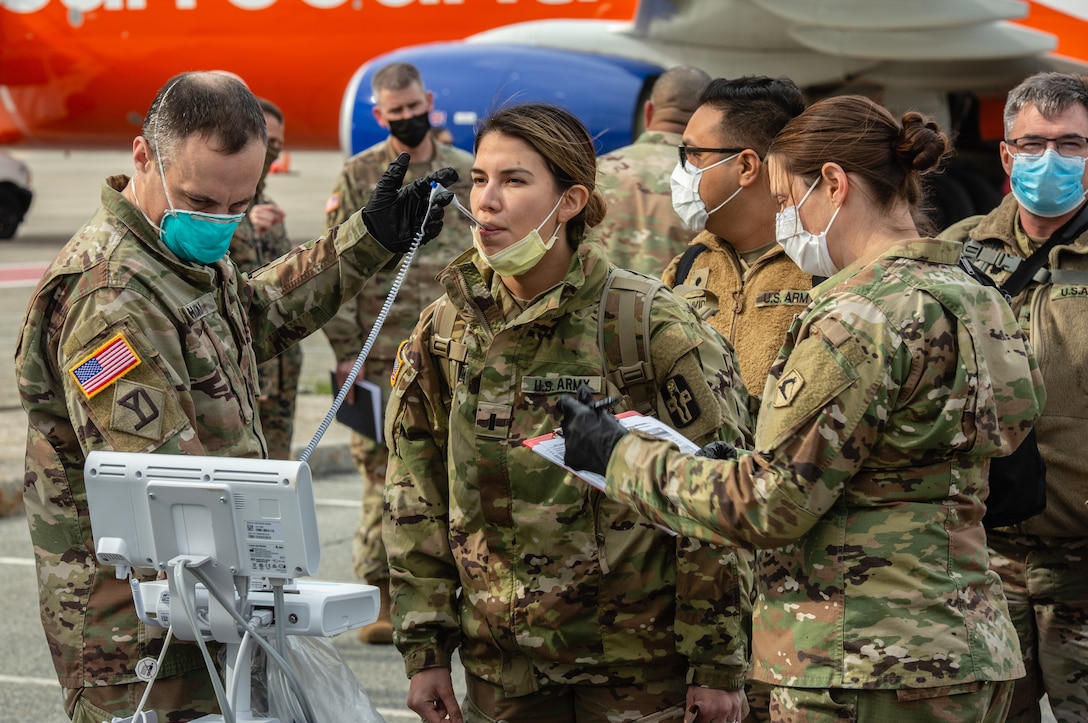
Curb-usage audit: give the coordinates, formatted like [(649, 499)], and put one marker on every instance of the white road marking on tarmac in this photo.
[(28, 680), (17, 561), (333, 502), (52, 683)]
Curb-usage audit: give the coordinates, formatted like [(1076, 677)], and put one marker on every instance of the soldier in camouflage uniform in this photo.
[(1043, 561), (563, 606), (400, 98), (641, 231), (735, 265), (260, 238), (143, 338), (866, 482)]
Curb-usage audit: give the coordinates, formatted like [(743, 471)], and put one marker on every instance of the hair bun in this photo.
[(595, 208), (921, 143)]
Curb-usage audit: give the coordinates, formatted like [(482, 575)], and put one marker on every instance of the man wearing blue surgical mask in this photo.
[(144, 337), (1043, 561)]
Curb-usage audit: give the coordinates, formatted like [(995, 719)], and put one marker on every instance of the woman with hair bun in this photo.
[(866, 485), (563, 606)]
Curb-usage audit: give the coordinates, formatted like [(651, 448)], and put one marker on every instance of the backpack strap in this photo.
[(1035, 267), (683, 266), (446, 332), (623, 335)]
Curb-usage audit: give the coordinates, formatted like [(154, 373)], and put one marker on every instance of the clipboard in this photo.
[(552, 447)]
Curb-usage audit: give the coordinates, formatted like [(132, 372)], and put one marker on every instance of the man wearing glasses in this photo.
[(1043, 561), (720, 188)]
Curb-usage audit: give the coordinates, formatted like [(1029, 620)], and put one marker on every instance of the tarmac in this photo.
[(67, 187), (331, 456)]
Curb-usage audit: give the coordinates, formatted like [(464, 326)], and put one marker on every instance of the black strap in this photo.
[(977, 274), (683, 267), (1069, 231)]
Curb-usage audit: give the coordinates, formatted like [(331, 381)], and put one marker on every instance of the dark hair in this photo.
[(567, 148), (270, 108), (1050, 93), (754, 108), (865, 139), (213, 105)]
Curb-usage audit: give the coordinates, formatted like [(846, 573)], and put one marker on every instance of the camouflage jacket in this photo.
[(1055, 316), (534, 575), (755, 305), (347, 331), (196, 334), (250, 251), (892, 392), (641, 230)]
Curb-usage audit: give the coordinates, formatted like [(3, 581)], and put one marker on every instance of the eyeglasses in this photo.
[(688, 151), (1070, 145)]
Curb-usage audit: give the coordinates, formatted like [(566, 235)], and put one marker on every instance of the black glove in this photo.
[(589, 434), (718, 450), (393, 214)]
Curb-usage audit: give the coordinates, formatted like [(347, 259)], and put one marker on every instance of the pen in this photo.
[(607, 402)]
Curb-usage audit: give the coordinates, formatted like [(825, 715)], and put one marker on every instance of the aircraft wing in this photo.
[(935, 45)]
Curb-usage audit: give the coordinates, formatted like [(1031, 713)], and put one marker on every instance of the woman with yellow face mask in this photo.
[(563, 607)]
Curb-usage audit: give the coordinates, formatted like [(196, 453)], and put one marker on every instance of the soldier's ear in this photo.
[(750, 167), (574, 200), (142, 160)]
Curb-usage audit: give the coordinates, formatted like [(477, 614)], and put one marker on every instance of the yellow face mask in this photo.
[(521, 256)]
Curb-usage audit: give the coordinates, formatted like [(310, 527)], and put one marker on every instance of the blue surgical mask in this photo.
[(1048, 184), (195, 236)]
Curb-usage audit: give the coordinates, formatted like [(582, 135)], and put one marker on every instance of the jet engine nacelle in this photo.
[(470, 82)]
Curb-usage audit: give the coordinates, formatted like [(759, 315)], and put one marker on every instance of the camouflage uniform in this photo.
[(198, 333), (641, 230), (279, 376), (868, 474), (538, 579), (755, 305), (347, 331), (1043, 561)]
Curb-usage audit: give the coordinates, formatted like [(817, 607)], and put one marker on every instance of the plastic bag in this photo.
[(331, 688)]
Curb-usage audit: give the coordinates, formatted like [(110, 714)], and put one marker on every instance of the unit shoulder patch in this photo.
[(788, 387), (138, 409), (680, 401), (814, 375)]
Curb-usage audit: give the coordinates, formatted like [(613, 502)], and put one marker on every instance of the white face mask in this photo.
[(686, 201), (521, 256), (808, 251)]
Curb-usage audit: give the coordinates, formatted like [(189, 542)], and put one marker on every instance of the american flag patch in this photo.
[(399, 362), (107, 364), (333, 203)]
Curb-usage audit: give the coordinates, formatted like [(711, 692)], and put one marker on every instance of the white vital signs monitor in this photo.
[(254, 517)]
